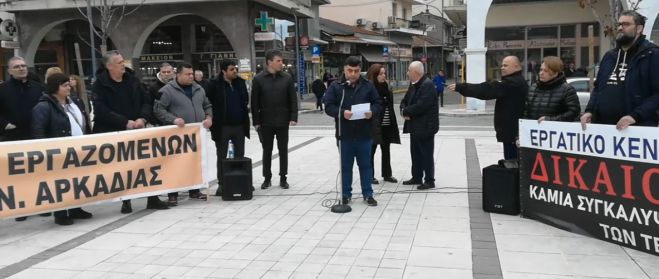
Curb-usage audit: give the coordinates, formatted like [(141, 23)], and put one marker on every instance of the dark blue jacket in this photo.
[(364, 92), (217, 96), (641, 83), (439, 82), (421, 105)]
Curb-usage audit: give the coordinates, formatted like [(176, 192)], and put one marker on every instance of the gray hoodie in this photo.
[(174, 104)]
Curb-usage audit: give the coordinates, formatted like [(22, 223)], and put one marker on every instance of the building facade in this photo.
[(55, 33)]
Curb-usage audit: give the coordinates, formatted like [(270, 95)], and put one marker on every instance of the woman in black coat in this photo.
[(385, 129), (553, 99), (56, 115)]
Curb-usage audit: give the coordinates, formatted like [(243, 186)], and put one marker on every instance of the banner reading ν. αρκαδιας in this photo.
[(59, 173)]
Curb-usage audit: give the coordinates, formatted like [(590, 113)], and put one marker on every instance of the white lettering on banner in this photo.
[(651, 242), (639, 144), (554, 196), (617, 211), (619, 235)]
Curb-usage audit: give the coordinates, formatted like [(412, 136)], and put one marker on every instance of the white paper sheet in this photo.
[(359, 110)]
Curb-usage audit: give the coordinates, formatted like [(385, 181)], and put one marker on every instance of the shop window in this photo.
[(568, 31), (584, 57), (209, 38), (584, 29), (504, 34), (164, 39), (543, 32)]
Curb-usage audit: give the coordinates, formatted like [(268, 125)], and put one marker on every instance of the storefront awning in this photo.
[(348, 39), (373, 56), (317, 40), (379, 42)]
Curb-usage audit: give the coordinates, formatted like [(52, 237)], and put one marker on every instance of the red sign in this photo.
[(304, 42)]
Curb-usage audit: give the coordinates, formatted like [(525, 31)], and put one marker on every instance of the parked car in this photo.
[(583, 88), (581, 85)]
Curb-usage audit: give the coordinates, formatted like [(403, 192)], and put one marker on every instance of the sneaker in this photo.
[(284, 184), (375, 181), (345, 200), (126, 207), (78, 213), (371, 201), (64, 221), (156, 203), (266, 184), (426, 186), (20, 219), (172, 201), (412, 182), (391, 179), (198, 196)]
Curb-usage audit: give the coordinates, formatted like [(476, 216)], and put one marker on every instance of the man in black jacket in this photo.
[(318, 88), (510, 94), (274, 109), (18, 96), (354, 134), (626, 91), (121, 103), (420, 109), (228, 94)]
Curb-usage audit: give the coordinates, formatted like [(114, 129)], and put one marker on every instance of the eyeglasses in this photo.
[(19, 66), (625, 24)]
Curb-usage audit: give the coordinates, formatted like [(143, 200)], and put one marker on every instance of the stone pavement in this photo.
[(441, 233)]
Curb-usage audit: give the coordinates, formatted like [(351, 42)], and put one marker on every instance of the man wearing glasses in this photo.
[(18, 96), (627, 89)]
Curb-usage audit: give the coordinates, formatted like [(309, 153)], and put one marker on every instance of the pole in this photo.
[(297, 54), (591, 55), (91, 39)]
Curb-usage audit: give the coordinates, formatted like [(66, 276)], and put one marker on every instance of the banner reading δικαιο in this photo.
[(600, 182), (59, 173)]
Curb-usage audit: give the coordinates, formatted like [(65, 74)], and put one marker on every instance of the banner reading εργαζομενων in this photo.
[(53, 174), (600, 182)]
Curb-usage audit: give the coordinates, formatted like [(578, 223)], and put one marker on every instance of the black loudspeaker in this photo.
[(501, 188), (237, 179)]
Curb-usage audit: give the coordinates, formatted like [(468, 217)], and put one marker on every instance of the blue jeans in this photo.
[(360, 149)]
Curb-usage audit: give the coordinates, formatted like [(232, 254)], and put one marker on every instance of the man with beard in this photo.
[(627, 89)]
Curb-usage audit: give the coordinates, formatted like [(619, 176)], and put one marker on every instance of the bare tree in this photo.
[(608, 22), (109, 14)]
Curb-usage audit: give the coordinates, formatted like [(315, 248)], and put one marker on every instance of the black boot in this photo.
[(153, 202), (126, 207)]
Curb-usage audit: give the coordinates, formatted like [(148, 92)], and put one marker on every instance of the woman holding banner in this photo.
[(56, 115), (553, 99)]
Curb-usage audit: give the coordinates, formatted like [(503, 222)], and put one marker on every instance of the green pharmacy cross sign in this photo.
[(264, 21)]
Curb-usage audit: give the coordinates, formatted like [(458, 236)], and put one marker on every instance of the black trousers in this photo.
[(319, 101), (509, 150), (236, 134), (422, 150), (268, 135), (386, 159)]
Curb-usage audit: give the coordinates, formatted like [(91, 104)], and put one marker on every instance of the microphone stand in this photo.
[(341, 208)]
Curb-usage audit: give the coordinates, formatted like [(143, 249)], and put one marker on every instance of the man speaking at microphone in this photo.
[(345, 100)]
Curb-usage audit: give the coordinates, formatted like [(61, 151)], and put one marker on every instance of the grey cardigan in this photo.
[(174, 104)]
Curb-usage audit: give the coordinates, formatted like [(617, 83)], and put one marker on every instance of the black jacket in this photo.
[(154, 94), (510, 94), (318, 87), (49, 120), (16, 102), (113, 108), (274, 101), (555, 100), (385, 134), (217, 97), (641, 83), (421, 105), (363, 92)]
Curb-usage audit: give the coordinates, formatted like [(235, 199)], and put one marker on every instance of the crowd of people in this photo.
[(624, 94)]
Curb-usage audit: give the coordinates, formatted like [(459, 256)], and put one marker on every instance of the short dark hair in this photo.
[(271, 54), (639, 19), (54, 81), (353, 61), (182, 66), (224, 65)]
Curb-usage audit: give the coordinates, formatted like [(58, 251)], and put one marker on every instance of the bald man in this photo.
[(420, 109), (510, 94)]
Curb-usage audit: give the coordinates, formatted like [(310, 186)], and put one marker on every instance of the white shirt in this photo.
[(75, 118)]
